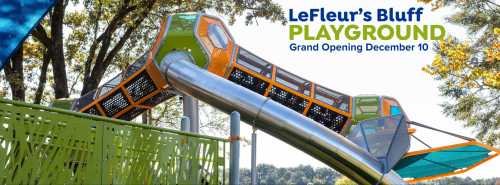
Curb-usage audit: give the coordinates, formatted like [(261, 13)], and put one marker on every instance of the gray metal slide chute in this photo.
[(276, 120)]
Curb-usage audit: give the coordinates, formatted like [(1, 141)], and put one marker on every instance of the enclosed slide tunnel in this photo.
[(196, 55)]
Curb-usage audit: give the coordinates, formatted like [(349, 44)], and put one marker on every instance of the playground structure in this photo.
[(366, 138), (279, 103)]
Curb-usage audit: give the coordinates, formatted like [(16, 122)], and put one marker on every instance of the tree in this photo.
[(81, 42), (303, 174), (85, 40), (14, 74), (133, 21), (470, 70)]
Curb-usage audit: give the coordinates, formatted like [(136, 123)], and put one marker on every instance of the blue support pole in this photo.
[(185, 124), (234, 163), (254, 157), (190, 109)]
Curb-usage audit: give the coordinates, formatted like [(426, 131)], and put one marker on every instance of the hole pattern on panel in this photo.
[(140, 86), (246, 80), (326, 117), (132, 113), (114, 103), (158, 98), (288, 99), (93, 110)]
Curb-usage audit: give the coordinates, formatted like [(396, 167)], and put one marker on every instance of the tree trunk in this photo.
[(43, 78), (57, 51), (145, 117), (15, 75), (105, 56)]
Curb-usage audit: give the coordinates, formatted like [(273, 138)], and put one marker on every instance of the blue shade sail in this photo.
[(17, 18), (441, 162)]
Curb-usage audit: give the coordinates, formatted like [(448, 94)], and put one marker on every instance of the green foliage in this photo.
[(470, 70), (301, 175), (268, 174)]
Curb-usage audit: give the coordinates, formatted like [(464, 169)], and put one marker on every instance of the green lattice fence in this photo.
[(39, 145)]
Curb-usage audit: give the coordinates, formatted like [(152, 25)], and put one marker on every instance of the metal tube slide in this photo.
[(276, 120)]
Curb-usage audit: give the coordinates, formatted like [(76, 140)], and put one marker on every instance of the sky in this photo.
[(395, 74)]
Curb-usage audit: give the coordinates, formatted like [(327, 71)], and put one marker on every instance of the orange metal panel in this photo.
[(155, 74), (143, 106), (312, 90), (411, 130), (127, 95), (99, 108), (219, 61), (220, 58), (160, 35), (229, 68)]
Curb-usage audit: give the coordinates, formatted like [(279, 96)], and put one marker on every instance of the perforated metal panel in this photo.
[(326, 117), (288, 99), (84, 100), (140, 86), (93, 110), (246, 80), (128, 94), (132, 113), (114, 103), (158, 98)]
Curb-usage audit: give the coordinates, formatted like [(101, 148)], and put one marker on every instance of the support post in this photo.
[(234, 162), (254, 157), (190, 109), (184, 162), (185, 123)]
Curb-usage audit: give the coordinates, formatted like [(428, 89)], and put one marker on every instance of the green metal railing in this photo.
[(40, 145)]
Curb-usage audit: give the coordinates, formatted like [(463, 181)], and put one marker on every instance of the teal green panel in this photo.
[(440, 162), (181, 37), (366, 107)]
